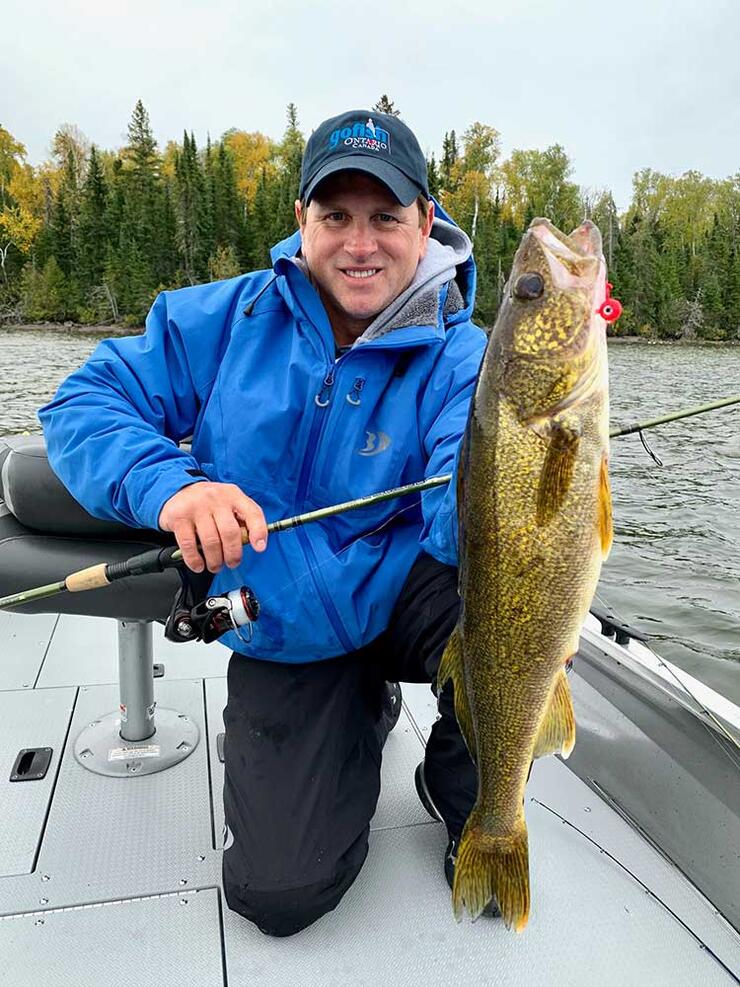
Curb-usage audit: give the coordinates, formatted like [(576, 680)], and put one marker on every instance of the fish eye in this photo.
[(529, 286)]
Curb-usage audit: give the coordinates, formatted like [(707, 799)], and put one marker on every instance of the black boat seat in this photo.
[(45, 534)]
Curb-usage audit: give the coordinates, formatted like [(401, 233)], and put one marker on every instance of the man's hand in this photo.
[(211, 513)]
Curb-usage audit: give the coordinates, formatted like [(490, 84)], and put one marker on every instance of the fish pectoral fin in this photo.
[(557, 469), (606, 529), (451, 670), (558, 728)]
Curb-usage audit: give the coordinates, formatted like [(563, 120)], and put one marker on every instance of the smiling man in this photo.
[(346, 369), (362, 247)]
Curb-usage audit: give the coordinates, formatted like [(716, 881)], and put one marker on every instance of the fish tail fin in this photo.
[(450, 669), (558, 728), (492, 866)]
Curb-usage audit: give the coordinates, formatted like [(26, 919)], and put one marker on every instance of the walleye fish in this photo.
[(534, 515)]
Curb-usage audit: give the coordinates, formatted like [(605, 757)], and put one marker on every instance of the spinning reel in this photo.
[(208, 619)]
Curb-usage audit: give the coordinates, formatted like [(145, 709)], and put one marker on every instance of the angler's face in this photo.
[(362, 248)]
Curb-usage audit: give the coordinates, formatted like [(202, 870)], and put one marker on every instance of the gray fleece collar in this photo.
[(448, 247)]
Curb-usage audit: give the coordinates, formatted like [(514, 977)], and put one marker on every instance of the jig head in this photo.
[(611, 308)]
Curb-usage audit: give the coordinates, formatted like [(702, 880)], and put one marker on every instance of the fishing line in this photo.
[(637, 880), (717, 722), (647, 448)]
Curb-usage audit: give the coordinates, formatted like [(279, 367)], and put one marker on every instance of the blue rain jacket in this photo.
[(247, 367)]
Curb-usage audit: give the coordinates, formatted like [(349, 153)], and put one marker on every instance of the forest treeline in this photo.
[(93, 235)]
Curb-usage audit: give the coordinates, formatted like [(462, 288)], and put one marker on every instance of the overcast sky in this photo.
[(624, 85)]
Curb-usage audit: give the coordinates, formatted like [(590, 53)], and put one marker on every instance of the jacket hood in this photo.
[(445, 279)]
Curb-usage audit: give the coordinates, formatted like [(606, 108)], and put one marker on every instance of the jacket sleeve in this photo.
[(113, 426), (444, 415)]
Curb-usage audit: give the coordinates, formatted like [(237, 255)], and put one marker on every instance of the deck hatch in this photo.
[(31, 764), (30, 721)]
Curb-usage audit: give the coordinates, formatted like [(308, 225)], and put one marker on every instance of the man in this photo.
[(347, 369)]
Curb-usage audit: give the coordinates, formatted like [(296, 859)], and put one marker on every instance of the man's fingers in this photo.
[(184, 532), (253, 517), (209, 513), (230, 532), (210, 541)]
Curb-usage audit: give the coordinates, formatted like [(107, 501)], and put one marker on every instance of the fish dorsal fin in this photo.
[(606, 529), (557, 469), (558, 727), (451, 669)]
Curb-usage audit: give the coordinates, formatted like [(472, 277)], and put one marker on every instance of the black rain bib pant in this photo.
[(302, 759)]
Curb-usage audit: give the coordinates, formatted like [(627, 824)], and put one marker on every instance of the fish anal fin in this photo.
[(557, 471), (492, 866), (451, 669), (558, 728), (606, 529)]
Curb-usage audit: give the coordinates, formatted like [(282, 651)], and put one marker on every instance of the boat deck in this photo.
[(103, 878)]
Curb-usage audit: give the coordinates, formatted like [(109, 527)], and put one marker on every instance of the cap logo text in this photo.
[(366, 135)]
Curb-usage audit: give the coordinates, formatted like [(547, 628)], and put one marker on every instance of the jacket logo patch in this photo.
[(376, 442)]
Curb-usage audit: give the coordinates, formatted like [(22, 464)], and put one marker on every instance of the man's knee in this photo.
[(285, 911), (277, 913)]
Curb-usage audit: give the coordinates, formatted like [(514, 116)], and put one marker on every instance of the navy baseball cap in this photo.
[(360, 140)]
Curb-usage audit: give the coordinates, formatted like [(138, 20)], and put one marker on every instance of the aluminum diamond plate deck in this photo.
[(591, 924), (175, 939), (119, 857)]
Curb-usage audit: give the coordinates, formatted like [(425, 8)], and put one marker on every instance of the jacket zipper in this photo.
[(322, 400)]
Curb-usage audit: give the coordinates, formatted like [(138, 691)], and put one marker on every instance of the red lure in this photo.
[(610, 309)]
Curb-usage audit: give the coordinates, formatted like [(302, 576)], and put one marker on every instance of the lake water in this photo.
[(674, 570)]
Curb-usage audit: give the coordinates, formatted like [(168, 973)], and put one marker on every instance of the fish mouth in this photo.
[(573, 261)]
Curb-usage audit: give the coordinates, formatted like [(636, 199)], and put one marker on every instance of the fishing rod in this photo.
[(675, 416), (159, 559)]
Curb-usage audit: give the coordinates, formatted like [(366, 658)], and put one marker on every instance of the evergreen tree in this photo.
[(45, 294), (193, 212), (646, 298), (732, 294), (289, 178), (141, 236), (93, 230), (227, 210), (141, 149), (385, 105), (114, 274), (105, 232), (259, 224), (448, 178), (61, 233), (433, 176)]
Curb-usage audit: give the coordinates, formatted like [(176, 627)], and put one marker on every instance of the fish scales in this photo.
[(534, 518)]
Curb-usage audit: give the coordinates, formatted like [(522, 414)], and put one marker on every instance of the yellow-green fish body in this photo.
[(535, 523)]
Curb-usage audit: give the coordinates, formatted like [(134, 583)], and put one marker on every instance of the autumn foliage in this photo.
[(92, 235)]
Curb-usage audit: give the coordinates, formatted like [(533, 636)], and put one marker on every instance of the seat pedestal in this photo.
[(44, 535), (133, 740)]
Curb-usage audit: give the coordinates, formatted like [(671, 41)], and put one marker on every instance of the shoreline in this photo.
[(73, 328), (650, 341)]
